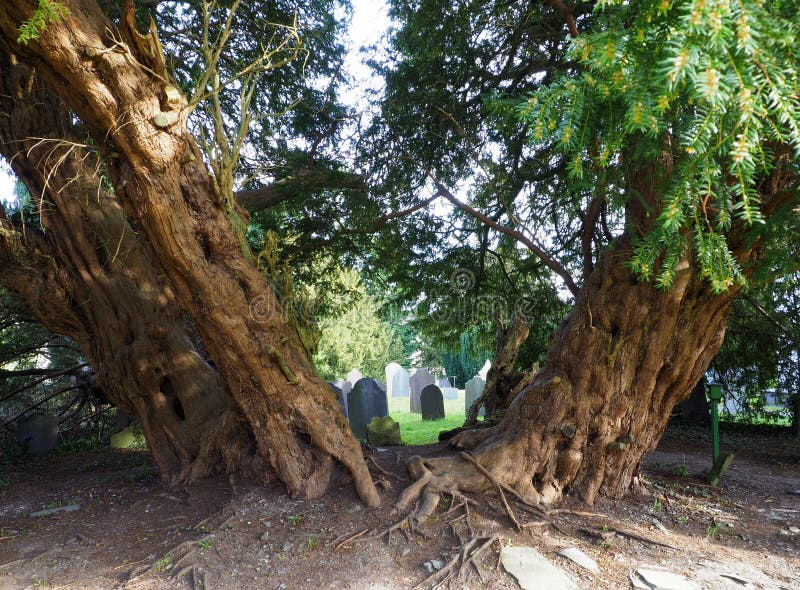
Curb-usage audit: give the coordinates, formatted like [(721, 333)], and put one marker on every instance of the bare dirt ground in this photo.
[(131, 532)]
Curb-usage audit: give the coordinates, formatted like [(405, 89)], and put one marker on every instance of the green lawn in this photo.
[(414, 431)]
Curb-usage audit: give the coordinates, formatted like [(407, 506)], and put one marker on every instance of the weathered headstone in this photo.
[(472, 391), (341, 398), (485, 370), (366, 401), (418, 381), (448, 391), (391, 370), (38, 432), (383, 432), (400, 386), (354, 375), (432, 403)]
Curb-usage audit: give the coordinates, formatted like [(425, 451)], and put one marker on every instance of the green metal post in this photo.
[(714, 397)]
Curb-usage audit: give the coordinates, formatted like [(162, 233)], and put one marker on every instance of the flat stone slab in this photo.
[(651, 579), (579, 557), (48, 511), (533, 571)]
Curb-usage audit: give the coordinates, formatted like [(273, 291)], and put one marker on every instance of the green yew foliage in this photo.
[(47, 12), (715, 80)]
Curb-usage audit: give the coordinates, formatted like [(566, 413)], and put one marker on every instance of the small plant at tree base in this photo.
[(294, 519), (713, 529), (204, 545), (657, 506), (163, 564), (312, 542), (680, 471)]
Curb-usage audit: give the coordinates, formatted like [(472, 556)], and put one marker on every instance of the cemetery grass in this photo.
[(416, 431), (132, 532)]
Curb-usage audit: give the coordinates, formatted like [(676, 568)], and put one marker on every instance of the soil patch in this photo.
[(130, 531)]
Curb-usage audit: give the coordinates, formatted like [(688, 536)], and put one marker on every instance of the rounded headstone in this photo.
[(365, 402), (390, 371), (400, 386), (418, 381), (354, 375), (38, 433), (432, 403)]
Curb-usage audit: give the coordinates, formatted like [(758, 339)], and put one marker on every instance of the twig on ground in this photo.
[(338, 542)]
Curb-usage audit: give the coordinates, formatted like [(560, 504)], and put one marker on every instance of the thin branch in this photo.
[(567, 14), (549, 261), (587, 233), (289, 187), (42, 380)]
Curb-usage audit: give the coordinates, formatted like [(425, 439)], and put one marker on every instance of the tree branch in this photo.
[(291, 186), (567, 14), (548, 260), (587, 233)]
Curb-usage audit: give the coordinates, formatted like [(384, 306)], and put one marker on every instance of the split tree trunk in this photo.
[(116, 82), (86, 276)]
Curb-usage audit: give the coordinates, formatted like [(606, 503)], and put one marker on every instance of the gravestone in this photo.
[(383, 432), (354, 375), (340, 397), (418, 381), (432, 403), (485, 370), (448, 391), (366, 401), (472, 391), (391, 370), (38, 432), (381, 384), (400, 386)]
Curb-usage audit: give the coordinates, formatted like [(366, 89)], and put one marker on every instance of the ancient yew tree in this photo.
[(115, 80), (644, 153)]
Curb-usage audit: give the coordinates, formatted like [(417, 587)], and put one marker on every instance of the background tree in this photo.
[(359, 338)]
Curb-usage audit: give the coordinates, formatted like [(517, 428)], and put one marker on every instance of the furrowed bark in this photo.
[(616, 367), (81, 270), (115, 82)]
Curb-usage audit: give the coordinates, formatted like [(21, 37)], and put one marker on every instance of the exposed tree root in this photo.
[(469, 554)]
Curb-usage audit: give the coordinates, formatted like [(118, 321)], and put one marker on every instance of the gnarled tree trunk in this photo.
[(84, 274), (623, 358), (626, 354), (115, 81)]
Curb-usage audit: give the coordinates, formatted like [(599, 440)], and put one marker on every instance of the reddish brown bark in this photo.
[(85, 275), (615, 369), (115, 82)]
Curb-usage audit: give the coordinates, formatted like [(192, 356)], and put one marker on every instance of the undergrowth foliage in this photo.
[(713, 81)]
